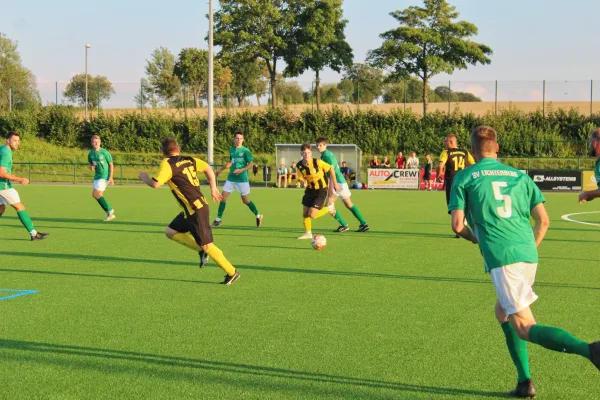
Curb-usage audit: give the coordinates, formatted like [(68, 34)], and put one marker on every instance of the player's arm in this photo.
[(470, 159), (459, 227), (5, 175), (589, 196), (441, 165), (212, 182), (91, 164), (542, 222), (246, 168), (111, 171), (164, 175), (226, 166)]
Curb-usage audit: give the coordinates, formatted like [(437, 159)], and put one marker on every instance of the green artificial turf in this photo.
[(403, 311)]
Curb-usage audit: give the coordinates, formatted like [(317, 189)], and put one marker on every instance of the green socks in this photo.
[(558, 340), (358, 215), (104, 204), (251, 206), (222, 206), (339, 219), (26, 220), (517, 348)]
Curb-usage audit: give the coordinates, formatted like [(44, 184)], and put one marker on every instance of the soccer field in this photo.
[(403, 311)]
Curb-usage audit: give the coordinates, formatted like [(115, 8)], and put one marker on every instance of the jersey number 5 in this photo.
[(191, 175), (459, 162), (506, 210)]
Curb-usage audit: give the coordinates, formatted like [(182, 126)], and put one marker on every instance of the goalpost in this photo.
[(287, 153)]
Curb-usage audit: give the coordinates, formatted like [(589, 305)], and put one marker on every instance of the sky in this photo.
[(532, 40)]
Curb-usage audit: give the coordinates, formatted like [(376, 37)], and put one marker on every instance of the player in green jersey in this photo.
[(241, 161), (594, 152), (101, 163), (8, 195), (343, 193), (497, 201)]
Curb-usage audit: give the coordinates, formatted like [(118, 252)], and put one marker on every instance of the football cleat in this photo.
[(363, 228), (39, 236), (595, 354), (110, 216), (342, 228), (524, 390), (259, 218), (230, 279), (307, 235), (203, 258), (216, 223)]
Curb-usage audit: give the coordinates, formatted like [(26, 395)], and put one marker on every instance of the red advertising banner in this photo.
[(436, 185)]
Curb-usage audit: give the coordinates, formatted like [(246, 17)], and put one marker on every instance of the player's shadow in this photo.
[(87, 228), (357, 274), (241, 376), (93, 221)]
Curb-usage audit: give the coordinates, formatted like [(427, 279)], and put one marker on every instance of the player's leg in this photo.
[(331, 199), (98, 194), (228, 188), (199, 225), (11, 197), (345, 195), (318, 209), (2, 208), (515, 294), (178, 231), (244, 189), (306, 218)]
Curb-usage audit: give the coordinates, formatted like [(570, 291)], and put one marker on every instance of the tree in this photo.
[(347, 88), (245, 79), (146, 97), (192, 70), (160, 74), (319, 41), (428, 42), (99, 89), (290, 92), (367, 83), (18, 86), (251, 29)]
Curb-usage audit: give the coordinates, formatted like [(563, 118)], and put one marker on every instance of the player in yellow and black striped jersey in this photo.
[(452, 160), (191, 227), (313, 171)]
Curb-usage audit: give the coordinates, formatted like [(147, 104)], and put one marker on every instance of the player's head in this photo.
[(169, 146), (238, 138), (96, 142), (595, 143), (13, 140), (306, 151), (450, 141), (343, 163), (484, 142), (321, 144), (427, 156)]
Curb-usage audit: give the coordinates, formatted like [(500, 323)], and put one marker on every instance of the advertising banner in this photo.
[(392, 178), (589, 181), (556, 180), (436, 185)]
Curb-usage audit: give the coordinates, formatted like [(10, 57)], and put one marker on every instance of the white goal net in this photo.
[(286, 154)]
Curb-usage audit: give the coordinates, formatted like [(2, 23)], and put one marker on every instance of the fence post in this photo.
[(404, 90), (141, 96), (74, 172), (591, 97), (56, 91), (98, 98), (29, 171), (358, 93), (544, 98), (449, 93), (121, 172), (496, 99), (185, 96)]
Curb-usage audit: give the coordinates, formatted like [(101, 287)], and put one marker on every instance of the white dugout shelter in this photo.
[(286, 154)]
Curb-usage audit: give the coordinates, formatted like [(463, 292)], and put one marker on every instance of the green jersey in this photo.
[(497, 200), (597, 172), (330, 159), (6, 162), (240, 158), (100, 160)]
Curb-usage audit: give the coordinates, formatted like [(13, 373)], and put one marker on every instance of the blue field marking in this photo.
[(16, 293)]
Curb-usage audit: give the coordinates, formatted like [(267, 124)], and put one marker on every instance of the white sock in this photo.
[(33, 232)]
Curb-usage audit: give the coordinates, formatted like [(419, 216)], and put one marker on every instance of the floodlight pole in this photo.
[(210, 142), (87, 46)]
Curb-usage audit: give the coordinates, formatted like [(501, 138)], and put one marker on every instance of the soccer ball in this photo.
[(318, 242)]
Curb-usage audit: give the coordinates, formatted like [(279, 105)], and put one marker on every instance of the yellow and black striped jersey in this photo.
[(180, 172), (455, 160), (314, 173)]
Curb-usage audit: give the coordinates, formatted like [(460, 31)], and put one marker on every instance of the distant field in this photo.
[(477, 108), (403, 311)]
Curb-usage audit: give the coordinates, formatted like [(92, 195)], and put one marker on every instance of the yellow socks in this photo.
[(187, 240), (322, 212), (217, 255), (307, 224)]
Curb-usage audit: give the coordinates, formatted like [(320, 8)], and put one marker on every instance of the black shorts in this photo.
[(427, 176), (314, 198), (448, 187), (197, 224)]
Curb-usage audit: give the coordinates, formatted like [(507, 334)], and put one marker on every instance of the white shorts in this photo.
[(242, 187), (100, 184), (9, 197), (513, 286)]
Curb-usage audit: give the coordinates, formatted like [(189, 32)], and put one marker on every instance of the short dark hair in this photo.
[(238, 133), (11, 134), (321, 140), (484, 139), (343, 162), (169, 145), (306, 146)]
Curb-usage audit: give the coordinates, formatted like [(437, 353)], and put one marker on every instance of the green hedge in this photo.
[(557, 134)]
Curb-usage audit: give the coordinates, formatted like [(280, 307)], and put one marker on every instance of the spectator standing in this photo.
[(427, 172), (413, 161), (400, 161)]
